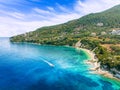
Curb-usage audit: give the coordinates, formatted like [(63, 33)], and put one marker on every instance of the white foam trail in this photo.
[(50, 64)]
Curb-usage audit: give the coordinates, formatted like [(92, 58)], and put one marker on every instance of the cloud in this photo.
[(12, 26), (51, 8), (40, 11), (14, 22), (92, 6), (62, 8)]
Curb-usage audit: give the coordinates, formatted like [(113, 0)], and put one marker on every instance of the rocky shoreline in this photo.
[(95, 65)]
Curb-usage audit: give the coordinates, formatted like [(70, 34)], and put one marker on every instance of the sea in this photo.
[(25, 66)]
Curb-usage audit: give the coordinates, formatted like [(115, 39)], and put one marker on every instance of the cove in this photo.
[(26, 66)]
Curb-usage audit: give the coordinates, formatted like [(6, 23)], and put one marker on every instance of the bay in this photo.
[(26, 66)]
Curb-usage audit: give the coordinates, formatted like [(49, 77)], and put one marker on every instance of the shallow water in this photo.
[(36, 67)]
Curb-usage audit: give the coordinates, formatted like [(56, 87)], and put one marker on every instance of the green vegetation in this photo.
[(93, 30), (110, 59)]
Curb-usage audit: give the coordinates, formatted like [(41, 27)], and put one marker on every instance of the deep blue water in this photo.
[(28, 67)]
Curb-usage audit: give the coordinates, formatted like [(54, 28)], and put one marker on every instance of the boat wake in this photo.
[(49, 63)]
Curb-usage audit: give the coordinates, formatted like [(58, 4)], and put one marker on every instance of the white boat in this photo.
[(49, 63)]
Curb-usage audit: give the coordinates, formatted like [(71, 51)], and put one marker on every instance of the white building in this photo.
[(115, 32)]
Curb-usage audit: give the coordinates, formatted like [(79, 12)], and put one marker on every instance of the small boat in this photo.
[(49, 63)]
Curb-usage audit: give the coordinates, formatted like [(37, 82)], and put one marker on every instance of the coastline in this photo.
[(95, 65), (92, 61)]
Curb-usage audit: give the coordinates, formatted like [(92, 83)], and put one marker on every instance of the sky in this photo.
[(20, 16)]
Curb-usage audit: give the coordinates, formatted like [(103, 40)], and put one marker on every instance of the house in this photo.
[(93, 34), (100, 24), (103, 33), (115, 32)]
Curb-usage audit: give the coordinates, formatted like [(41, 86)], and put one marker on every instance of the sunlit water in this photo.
[(38, 67)]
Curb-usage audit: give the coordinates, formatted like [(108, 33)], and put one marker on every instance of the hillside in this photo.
[(70, 32), (93, 30)]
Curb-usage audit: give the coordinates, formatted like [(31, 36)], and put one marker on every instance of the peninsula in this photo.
[(97, 32)]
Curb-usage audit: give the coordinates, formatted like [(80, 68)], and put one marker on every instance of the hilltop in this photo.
[(94, 32)]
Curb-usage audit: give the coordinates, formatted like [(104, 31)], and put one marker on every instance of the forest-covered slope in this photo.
[(72, 31), (93, 30)]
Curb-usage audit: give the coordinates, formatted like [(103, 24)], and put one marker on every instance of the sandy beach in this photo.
[(95, 65)]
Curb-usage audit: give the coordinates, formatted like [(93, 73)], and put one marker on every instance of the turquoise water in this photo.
[(38, 67)]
